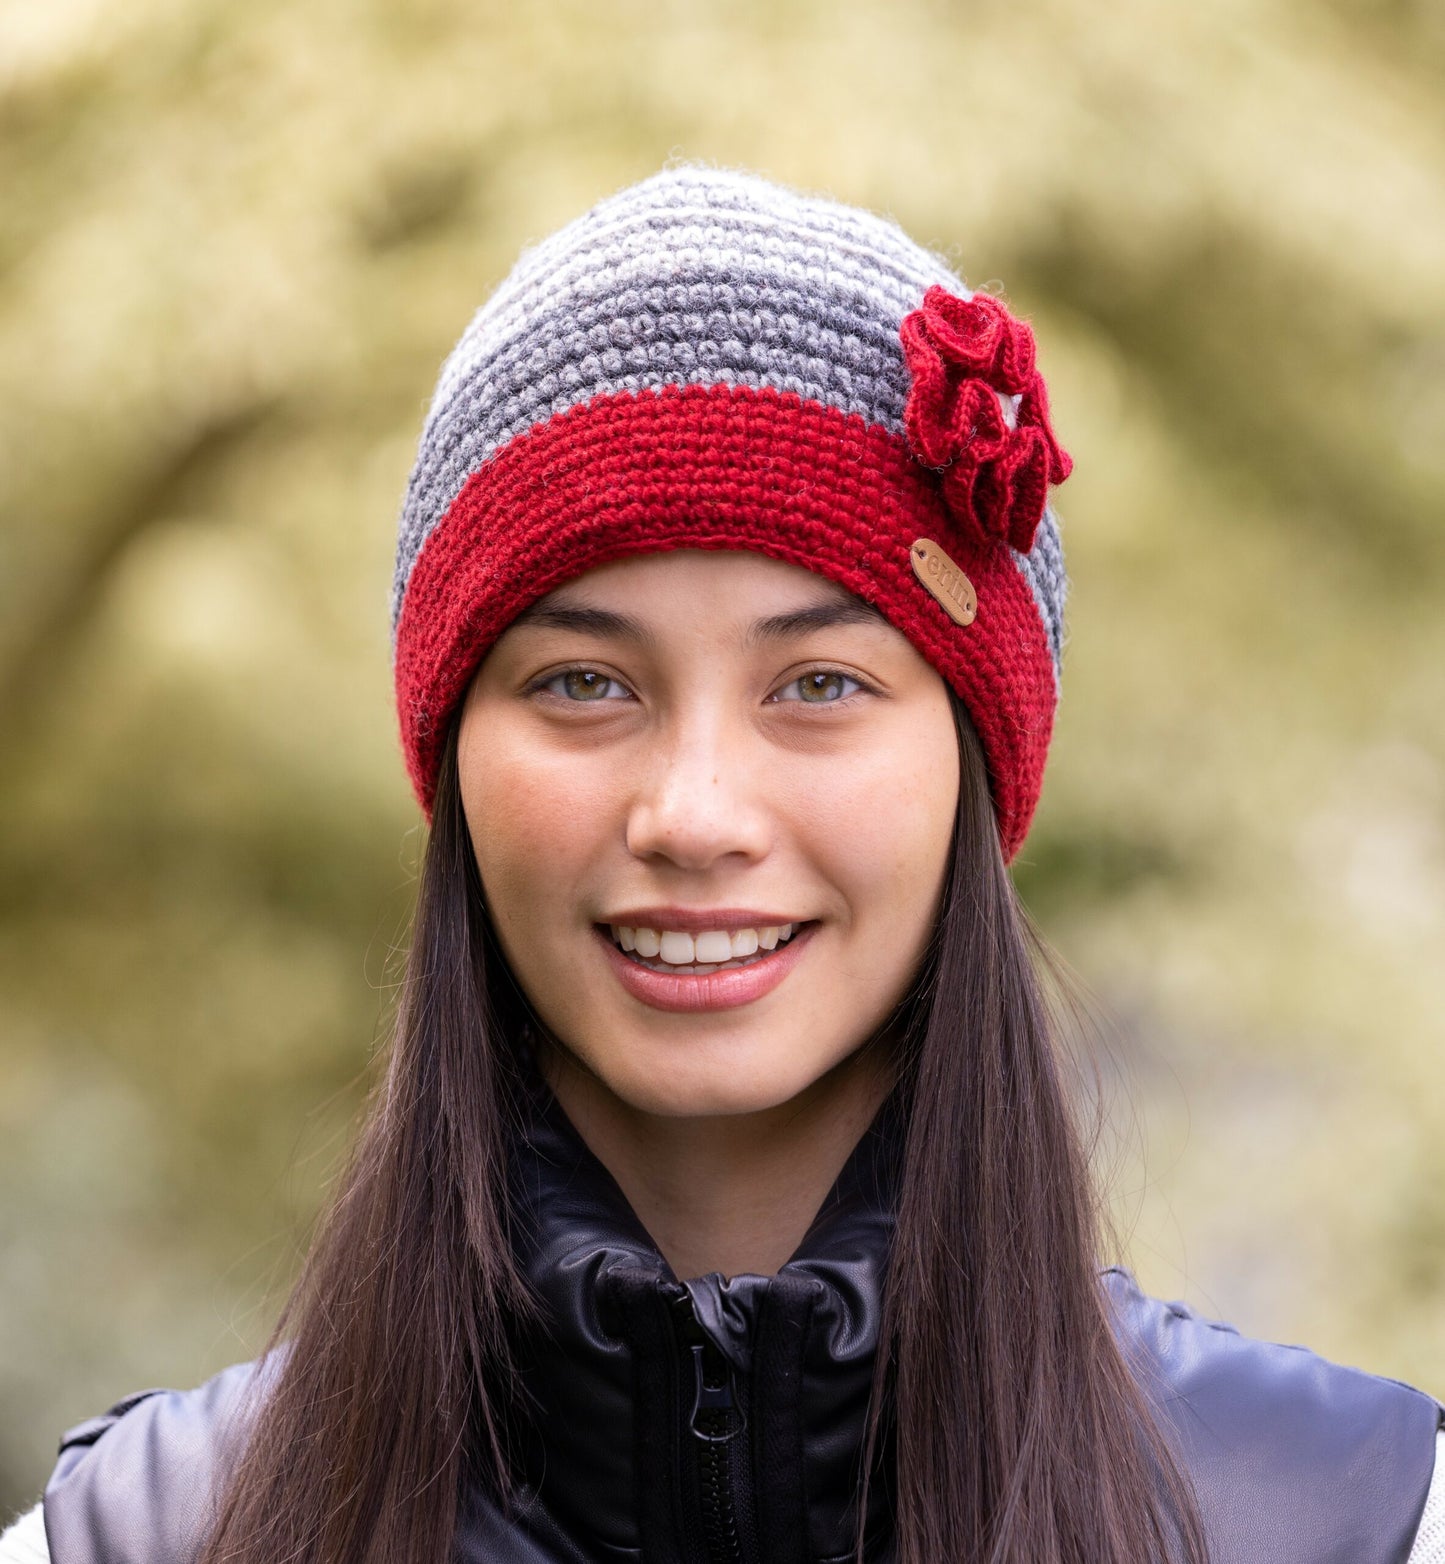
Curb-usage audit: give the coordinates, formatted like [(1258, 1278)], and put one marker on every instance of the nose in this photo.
[(700, 800)]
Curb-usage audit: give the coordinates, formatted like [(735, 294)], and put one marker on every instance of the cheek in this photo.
[(883, 826), (535, 822)]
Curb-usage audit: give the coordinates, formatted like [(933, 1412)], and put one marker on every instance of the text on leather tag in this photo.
[(944, 580)]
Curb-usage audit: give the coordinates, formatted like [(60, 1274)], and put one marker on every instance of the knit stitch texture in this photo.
[(707, 360)]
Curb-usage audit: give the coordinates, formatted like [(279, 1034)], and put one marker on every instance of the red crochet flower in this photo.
[(961, 352)]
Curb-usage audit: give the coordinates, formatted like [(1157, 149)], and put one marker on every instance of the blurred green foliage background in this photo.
[(235, 244)]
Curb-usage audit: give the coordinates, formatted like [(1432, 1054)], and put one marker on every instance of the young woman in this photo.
[(721, 1200)]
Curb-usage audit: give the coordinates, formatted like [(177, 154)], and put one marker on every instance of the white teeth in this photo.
[(699, 953), (715, 946), (676, 948)]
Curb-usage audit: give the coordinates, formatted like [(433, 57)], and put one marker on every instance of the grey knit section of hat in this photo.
[(694, 277), (1043, 568)]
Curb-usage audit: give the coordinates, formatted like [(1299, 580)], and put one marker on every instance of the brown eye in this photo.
[(585, 684), (820, 688)]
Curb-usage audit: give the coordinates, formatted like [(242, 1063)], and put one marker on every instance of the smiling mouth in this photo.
[(718, 950)]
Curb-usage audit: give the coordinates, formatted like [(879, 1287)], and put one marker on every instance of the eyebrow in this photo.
[(586, 621), (604, 622), (820, 616)]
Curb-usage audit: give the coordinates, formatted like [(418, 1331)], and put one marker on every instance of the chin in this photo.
[(704, 1099), (703, 1088)]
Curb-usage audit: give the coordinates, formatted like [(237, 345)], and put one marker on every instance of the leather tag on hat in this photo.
[(944, 580)]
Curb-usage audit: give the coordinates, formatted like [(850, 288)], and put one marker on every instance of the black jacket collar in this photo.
[(616, 1431)]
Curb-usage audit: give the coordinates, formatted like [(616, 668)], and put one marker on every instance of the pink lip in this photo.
[(706, 990), (698, 920)]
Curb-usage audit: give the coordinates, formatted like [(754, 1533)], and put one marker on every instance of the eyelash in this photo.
[(539, 686)]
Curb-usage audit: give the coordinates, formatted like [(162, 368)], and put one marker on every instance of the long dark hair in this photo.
[(1020, 1435)]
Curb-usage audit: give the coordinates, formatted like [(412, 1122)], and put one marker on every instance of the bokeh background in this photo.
[(236, 242)]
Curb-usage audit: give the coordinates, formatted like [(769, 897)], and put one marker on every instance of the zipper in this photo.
[(715, 1420)]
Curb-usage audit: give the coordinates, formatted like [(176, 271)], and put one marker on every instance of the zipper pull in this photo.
[(713, 1397)]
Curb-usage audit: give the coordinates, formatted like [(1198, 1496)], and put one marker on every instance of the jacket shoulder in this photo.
[(1292, 1457), (137, 1485)]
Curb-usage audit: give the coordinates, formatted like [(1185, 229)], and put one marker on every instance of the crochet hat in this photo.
[(710, 361)]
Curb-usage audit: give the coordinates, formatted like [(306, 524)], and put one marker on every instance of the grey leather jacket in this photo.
[(680, 1413)]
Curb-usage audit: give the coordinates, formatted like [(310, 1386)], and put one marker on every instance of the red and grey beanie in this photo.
[(711, 361)]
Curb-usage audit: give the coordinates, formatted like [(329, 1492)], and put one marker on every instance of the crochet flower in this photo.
[(962, 354)]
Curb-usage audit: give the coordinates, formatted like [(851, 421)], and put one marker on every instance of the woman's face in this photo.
[(669, 763)]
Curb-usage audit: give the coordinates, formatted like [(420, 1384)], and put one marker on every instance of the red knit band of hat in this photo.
[(727, 468)]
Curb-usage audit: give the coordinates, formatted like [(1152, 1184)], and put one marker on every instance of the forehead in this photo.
[(689, 584)]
